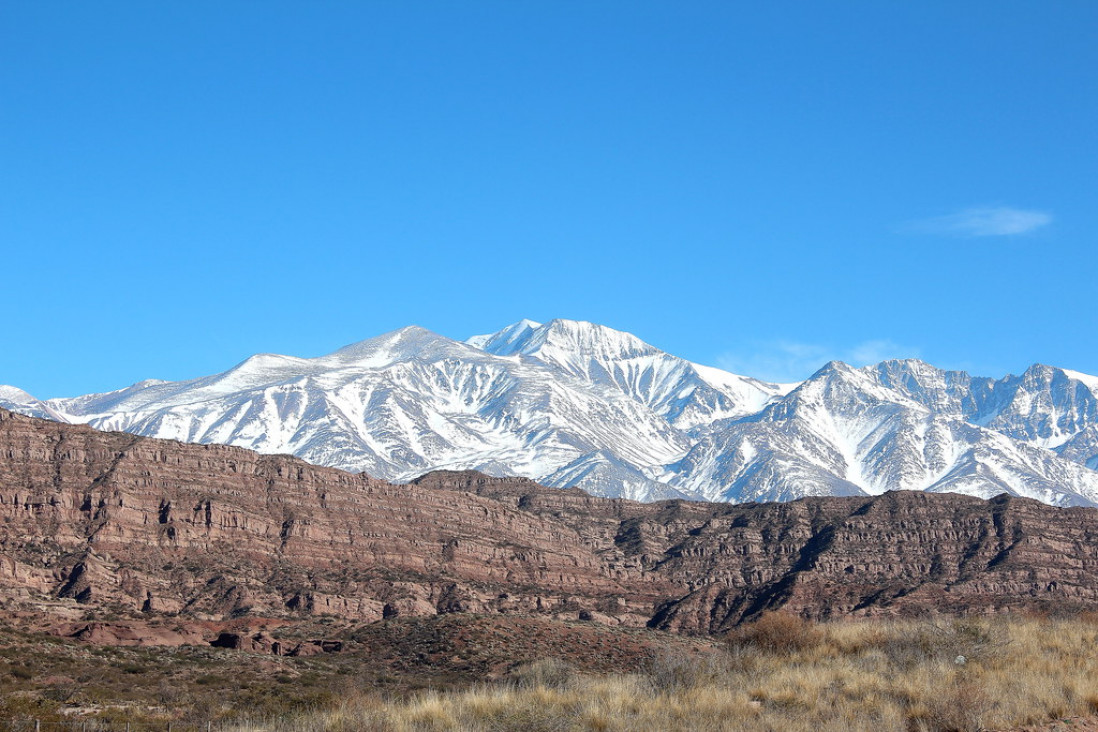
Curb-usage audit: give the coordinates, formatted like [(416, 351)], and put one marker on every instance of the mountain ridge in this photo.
[(572, 403)]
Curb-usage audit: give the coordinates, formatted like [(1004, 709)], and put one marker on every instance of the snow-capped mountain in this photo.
[(570, 403), (685, 394), (900, 425), (397, 406)]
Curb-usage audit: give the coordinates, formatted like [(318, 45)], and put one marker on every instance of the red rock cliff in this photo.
[(109, 518)]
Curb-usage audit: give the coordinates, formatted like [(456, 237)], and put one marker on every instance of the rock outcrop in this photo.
[(213, 532)]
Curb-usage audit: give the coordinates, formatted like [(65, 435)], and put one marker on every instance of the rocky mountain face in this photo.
[(574, 404), (905, 425), (104, 520)]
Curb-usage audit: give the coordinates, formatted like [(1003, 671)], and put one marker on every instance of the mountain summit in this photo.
[(571, 403)]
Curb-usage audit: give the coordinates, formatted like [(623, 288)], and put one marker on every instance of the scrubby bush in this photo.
[(960, 641), (677, 670), (546, 673), (776, 632)]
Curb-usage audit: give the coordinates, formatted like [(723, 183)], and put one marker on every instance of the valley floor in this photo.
[(468, 672)]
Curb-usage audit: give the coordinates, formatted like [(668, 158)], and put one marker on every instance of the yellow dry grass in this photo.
[(784, 674)]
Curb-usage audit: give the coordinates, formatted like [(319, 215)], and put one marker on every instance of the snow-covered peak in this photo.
[(834, 367), (835, 382), (831, 376), (946, 392), (1046, 405), (502, 342), (910, 369), (1043, 375), (14, 395), (412, 343), (17, 400), (687, 395), (566, 342)]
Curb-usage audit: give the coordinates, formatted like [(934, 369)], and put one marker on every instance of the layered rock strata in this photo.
[(110, 519)]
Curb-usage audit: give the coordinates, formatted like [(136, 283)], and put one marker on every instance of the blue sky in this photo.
[(761, 186)]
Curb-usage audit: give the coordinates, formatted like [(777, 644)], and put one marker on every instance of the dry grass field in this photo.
[(467, 672), (780, 674)]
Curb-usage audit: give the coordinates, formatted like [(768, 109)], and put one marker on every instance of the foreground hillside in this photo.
[(102, 520), (462, 672)]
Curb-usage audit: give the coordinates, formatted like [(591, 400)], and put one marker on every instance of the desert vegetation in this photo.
[(778, 673)]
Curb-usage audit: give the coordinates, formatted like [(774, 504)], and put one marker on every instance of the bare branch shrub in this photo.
[(677, 670)]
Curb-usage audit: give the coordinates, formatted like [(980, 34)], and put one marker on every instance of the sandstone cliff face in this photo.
[(212, 531)]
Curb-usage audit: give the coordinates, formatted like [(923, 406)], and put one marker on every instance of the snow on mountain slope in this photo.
[(849, 430), (685, 394), (17, 400), (1082, 448), (396, 406), (571, 403), (502, 342), (1045, 406), (602, 473)]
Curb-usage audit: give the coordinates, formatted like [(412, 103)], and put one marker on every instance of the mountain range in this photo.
[(575, 404)]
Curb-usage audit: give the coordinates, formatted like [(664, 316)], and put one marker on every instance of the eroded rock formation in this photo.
[(109, 519)]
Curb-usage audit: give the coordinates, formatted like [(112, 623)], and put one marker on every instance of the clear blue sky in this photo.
[(761, 186)]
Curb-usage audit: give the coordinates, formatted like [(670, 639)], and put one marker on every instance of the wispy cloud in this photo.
[(784, 361), (984, 221)]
